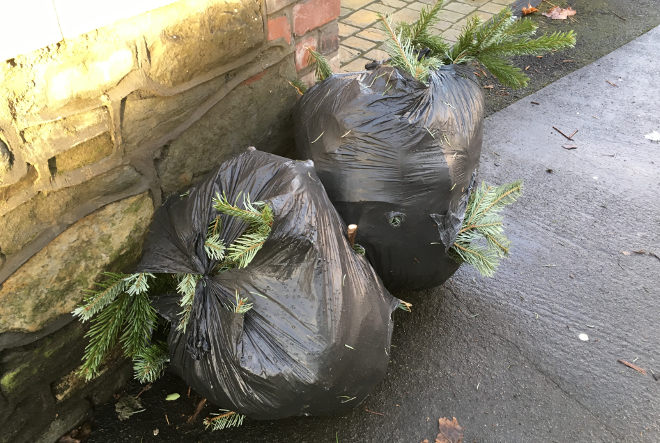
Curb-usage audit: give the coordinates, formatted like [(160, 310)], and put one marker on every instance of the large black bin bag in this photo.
[(398, 159), (318, 337)]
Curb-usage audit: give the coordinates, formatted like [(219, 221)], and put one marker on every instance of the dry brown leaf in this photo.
[(450, 431), (529, 9), (558, 13)]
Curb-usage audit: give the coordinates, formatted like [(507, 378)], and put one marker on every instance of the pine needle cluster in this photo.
[(119, 311), (223, 420), (414, 49), (483, 224)]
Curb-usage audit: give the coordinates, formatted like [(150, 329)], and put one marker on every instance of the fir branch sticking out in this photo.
[(138, 283), (149, 363), (405, 306), (223, 420), (259, 217), (103, 335), (186, 287), (420, 36), (322, 68), (503, 36), (129, 318), (107, 292), (483, 221), (402, 53), (242, 304), (214, 247), (298, 86), (139, 322)]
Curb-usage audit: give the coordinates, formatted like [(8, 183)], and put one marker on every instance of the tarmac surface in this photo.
[(503, 355)]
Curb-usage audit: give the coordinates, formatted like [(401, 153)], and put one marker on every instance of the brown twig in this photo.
[(574, 132), (352, 232), (374, 412), (556, 129), (612, 84), (146, 388), (199, 408), (632, 366), (188, 391), (622, 18), (167, 420)]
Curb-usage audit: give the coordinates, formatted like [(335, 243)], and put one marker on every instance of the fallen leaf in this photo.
[(653, 136), (569, 147), (488, 86), (172, 397), (558, 13), (450, 431), (529, 9), (127, 406)]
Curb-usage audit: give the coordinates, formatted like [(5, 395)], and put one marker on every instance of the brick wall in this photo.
[(308, 24), (95, 131)]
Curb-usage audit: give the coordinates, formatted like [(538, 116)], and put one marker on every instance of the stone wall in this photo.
[(95, 131)]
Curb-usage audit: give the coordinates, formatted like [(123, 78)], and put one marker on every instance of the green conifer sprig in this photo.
[(418, 33), (402, 53), (242, 304), (186, 287), (107, 291), (483, 222), (322, 68), (223, 420), (126, 316), (149, 363), (490, 43)]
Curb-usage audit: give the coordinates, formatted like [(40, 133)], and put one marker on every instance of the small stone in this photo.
[(583, 337)]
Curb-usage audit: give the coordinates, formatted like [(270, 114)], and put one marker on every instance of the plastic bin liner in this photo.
[(397, 158), (317, 338)]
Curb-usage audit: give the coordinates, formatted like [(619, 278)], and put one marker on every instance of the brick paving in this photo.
[(360, 35)]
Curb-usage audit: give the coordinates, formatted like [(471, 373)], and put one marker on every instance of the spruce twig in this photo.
[(149, 363), (223, 420), (322, 68), (483, 222)]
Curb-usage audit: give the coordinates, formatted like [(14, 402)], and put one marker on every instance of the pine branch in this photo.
[(186, 287), (245, 248), (298, 86), (149, 364), (322, 68), (482, 221), (226, 419), (214, 247), (402, 53), (242, 304), (139, 322), (103, 335), (108, 291)]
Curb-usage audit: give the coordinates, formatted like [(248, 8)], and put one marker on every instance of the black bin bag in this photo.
[(317, 338), (398, 158)]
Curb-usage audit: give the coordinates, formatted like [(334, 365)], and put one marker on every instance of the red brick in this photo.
[(302, 56), (276, 5), (314, 13), (279, 28)]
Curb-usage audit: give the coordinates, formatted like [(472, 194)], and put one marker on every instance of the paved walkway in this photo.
[(360, 35)]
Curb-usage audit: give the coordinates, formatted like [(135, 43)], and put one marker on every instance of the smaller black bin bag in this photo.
[(398, 158), (317, 338)]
